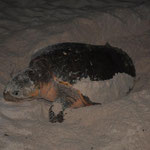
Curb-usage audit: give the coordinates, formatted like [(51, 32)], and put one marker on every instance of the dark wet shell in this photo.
[(73, 61)]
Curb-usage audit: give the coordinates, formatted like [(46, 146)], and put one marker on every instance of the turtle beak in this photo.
[(7, 96)]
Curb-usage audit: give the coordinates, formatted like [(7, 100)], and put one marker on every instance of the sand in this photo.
[(120, 124)]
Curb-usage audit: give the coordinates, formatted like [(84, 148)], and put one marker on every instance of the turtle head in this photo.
[(21, 87)]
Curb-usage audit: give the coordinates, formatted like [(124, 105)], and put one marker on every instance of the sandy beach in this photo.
[(120, 123)]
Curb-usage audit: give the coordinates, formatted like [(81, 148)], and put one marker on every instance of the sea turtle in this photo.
[(54, 70)]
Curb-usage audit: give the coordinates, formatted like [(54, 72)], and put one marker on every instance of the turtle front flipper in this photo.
[(67, 97), (62, 96), (56, 113), (73, 97)]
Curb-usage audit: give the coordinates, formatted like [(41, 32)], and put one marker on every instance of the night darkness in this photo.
[(122, 121)]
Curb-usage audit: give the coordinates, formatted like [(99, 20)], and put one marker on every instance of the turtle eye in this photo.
[(15, 93)]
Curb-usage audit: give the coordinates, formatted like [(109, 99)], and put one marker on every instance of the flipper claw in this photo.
[(53, 117)]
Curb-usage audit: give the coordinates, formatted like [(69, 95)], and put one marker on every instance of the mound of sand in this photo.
[(121, 123)]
